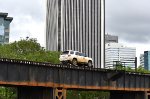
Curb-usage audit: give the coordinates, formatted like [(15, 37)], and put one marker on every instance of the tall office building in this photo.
[(4, 28), (76, 25), (147, 60), (111, 38), (115, 52)]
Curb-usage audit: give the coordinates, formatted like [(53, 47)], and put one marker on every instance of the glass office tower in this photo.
[(4, 28), (147, 60), (76, 25)]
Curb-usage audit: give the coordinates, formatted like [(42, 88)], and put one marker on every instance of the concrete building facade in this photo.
[(115, 52), (4, 28), (76, 25)]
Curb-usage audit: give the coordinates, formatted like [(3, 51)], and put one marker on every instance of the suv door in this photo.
[(84, 57), (81, 57)]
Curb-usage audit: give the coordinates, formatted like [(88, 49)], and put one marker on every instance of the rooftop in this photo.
[(2, 14), (9, 18)]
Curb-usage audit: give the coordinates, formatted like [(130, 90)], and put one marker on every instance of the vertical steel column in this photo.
[(59, 93), (147, 95)]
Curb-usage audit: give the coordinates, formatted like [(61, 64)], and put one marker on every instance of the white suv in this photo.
[(75, 58)]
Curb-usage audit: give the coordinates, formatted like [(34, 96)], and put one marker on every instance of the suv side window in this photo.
[(77, 53), (82, 54), (65, 52), (71, 52)]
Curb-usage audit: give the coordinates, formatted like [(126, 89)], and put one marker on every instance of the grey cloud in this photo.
[(32, 8), (129, 19), (29, 18)]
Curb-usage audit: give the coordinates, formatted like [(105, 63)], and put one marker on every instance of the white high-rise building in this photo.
[(142, 60), (115, 52)]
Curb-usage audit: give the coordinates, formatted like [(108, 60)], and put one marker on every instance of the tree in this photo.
[(79, 94), (142, 70), (129, 69), (8, 93), (28, 49)]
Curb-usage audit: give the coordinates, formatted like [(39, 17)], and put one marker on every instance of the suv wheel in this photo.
[(74, 62), (89, 63)]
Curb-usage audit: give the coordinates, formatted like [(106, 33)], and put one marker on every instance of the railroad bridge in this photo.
[(50, 81)]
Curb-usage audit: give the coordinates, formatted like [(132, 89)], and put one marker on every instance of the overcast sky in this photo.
[(28, 18), (128, 19)]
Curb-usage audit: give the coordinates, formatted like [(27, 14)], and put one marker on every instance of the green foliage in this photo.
[(28, 49), (119, 67), (75, 94), (8, 93), (142, 70), (129, 69)]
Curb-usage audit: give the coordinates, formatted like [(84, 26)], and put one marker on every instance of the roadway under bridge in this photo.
[(50, 81)]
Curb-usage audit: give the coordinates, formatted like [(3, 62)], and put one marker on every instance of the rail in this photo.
[(19, 61)]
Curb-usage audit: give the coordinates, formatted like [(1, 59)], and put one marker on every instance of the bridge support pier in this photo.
[(41, 93), (128, 95), (60, 93), (147, 95)]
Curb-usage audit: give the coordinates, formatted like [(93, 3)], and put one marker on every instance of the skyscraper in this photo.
[(76, 25), (4, 27)]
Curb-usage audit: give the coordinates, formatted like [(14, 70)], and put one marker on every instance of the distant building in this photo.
[(147, 60), (115, 52), (111, 38), (4, 28), (142, 60)]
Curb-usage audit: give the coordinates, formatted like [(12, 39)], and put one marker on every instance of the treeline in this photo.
[(28, 49), (140, 69), (78, 94)]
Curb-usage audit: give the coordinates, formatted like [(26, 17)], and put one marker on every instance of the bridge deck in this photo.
[(27, 73)]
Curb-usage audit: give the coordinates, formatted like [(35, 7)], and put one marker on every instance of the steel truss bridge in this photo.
[(50, 81)]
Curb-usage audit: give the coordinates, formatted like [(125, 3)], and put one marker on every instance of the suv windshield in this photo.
[(65, 52)]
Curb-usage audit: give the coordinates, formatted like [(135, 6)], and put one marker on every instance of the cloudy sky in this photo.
[(28, 18), (128, 19)]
